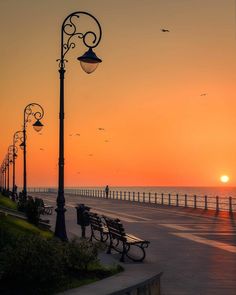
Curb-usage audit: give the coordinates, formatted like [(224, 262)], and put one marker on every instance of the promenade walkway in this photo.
[(195, 249)]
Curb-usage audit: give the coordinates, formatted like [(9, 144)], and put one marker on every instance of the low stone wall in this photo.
[(151, 286)]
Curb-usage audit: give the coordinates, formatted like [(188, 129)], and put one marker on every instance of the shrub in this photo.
[(79, 255), (31, 207), (32, 264), (32, 211), (22, 202), (38, 266)]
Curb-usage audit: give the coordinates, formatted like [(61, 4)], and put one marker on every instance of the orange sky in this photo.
[(146, 93)]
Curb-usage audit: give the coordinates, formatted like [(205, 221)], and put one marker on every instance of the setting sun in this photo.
[(224, 178)]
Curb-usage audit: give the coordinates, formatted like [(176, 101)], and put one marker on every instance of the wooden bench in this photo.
[(118, 235), (44, 209), (97, 225)]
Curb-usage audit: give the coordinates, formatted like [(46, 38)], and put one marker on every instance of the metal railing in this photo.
[(179, 200)]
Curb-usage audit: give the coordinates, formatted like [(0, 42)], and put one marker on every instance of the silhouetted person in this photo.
[(107, 191)]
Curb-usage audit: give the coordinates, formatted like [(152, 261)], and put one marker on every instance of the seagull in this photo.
[(90, 155), (41, 149), (70, 134), (203, 94), (106, 140), (77, 134), (165, 30), (101, 129)]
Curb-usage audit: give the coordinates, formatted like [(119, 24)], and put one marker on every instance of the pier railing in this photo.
[(179, 200)]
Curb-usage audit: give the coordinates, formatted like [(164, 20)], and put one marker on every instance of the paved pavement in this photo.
[(195, 249)]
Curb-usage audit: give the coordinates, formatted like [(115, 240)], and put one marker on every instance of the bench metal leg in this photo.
[(122, 259), (141, 247), (109, 247)]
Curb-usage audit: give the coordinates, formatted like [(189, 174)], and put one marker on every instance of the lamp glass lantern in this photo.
[(22, 145), (38, 126), (89, 61)]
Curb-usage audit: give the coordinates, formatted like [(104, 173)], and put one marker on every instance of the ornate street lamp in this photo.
[(7, 163), (31, 110), (89, 62), (18, 136), (4, 176), (2, 169)]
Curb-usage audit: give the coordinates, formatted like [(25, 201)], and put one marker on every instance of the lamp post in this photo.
[(8, 173), (31, 110), (10, 156), (3, 176), (89, 62), (18, 135)]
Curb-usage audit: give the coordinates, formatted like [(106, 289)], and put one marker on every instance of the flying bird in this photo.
[(165, 30), (101, 129), (41, 149), (203, 94), (90, 155), (106, 140), (70, 134), (77, 134)]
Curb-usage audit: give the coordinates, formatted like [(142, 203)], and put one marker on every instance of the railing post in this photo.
[(206, 204), (155, 198), (138, 197), (162, 199), (230, 205), (177, 200), (125, 195), (120, 195), (149, 198), (117, 195), (195, 201), (129, 195), (217, 203), (143, 197), (169, 200), (133, 196)]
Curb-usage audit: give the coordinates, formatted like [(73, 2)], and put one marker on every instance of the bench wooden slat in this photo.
[(96, 224), (117, 234)]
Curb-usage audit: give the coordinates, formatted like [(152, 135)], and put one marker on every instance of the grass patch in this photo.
[(19, 226), (93, 274), (8, 203)]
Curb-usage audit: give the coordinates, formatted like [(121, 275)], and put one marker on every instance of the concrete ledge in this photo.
[(151, 286), (132, 281)]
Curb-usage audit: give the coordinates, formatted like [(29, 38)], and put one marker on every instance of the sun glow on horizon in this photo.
[(224, 178)]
